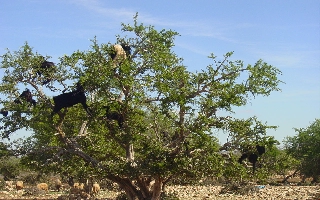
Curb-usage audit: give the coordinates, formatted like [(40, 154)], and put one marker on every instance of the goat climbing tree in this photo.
[(167, 113)]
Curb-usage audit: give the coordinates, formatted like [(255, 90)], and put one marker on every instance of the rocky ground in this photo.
[(252, 192), (198, 193)]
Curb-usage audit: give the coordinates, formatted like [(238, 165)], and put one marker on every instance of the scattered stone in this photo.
[(185, 192)]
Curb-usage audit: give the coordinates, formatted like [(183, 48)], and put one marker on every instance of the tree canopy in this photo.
[(305, 148), (168, 112)]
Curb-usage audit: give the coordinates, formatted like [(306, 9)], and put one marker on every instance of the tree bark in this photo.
[(147, 189), (144, 185), (127, 185), (157, 186)]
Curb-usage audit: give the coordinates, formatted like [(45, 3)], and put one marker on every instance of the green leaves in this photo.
[(305, 148), (244, 133), (263, 78)]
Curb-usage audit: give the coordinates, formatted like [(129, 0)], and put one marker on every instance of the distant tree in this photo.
[(245, 135), (167, 113), (306, 149)]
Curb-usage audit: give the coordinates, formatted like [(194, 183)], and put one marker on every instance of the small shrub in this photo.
[(29, 177), (10, 167)]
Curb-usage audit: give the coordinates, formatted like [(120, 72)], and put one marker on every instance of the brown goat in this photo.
[(95, 188), (19, 185), (43, 186)]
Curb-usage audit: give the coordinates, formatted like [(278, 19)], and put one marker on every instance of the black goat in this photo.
[(70, 99), (45, 67), (27, 96), (243, 157), (253, 157), (114, 115), (261, 149), (4, 113)]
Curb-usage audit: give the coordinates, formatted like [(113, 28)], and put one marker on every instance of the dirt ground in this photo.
[(194, 193)]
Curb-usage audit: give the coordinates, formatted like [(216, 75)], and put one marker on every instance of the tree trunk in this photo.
[(130, 189), (144, 185), (157, 186), (144, 190)]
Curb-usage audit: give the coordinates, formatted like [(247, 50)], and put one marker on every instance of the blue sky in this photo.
[(285, 34)]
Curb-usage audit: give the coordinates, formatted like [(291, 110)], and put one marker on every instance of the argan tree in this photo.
[(150, 118)]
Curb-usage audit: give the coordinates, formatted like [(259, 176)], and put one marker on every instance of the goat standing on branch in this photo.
[(46, 68), (4, 113), (114, 115), (70, 99), (120, 53), (27, 96), (253, 157)]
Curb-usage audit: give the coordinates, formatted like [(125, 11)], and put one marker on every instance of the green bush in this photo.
[(306, 149), (10, 167), (30, 177)]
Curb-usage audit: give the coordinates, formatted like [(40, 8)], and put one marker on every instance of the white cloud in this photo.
[(215, 29), (97, 7), (280, 53)]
